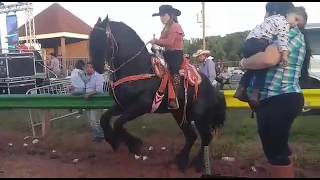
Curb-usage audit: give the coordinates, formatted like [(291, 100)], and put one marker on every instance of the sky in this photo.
[(221, 17)]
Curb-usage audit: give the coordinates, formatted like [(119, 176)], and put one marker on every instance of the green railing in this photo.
[(54, 102)]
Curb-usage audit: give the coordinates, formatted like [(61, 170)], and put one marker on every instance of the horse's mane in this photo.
[(122, 28)]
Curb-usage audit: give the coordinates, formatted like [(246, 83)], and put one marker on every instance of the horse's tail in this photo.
[(219, 111)]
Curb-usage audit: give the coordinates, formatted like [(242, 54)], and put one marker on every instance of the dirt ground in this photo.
[(98, 160)]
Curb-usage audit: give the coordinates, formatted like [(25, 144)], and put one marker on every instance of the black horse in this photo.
[(121, 48)]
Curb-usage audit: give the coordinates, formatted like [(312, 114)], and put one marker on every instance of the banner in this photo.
[(12, 32)]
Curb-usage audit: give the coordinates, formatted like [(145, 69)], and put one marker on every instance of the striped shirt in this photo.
[(281, 80)]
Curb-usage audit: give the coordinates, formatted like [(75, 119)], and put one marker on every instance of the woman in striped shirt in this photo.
[(281, 98)]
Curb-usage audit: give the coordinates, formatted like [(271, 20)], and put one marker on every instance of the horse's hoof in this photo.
[(134, 145), (182, 162), (198, 165), (135, 148), (114, 146), (115, 143)]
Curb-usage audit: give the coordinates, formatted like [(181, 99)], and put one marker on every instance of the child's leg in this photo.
[(251, 47), (259, 77), (258, 81), (246, 77)]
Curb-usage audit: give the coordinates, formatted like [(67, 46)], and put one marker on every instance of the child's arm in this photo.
[(283, 31)]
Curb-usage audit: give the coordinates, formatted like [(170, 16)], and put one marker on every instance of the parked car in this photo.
[(313, 82)]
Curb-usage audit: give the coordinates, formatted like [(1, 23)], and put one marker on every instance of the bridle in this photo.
[(114, 46), (111, 69)]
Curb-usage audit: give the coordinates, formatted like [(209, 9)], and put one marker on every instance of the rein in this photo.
[(114, 43)]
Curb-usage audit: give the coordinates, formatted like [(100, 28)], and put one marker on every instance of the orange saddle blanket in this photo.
[(187, 71)]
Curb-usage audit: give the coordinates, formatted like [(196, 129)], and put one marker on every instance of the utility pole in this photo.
[(203, 26)]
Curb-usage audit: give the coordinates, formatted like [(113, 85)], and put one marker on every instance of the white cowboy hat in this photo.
[(200, 52)]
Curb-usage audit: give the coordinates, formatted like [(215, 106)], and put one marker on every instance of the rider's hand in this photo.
[(153, 49), (152, 41)]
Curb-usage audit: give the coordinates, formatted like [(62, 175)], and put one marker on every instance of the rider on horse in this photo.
[(172, 40)]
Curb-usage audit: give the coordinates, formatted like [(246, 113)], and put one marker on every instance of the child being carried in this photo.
[(275, 28)]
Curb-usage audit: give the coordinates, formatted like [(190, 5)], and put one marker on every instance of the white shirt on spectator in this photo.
[(275, 25), (76, 80), (208, 68), (95, 83)]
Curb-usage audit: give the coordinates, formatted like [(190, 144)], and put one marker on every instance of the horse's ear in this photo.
[(106, 20), (99, 20)]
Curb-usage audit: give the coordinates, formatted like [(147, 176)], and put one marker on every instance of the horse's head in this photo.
[(119, 46), (99, 44)]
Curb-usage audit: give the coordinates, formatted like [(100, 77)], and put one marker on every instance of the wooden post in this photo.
[(206, 156), (45, 122), (63, 54)]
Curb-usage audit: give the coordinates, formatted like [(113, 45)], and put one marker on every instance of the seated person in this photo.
[(78, 79)]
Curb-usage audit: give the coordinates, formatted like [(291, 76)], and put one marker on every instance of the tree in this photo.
[(227, 48)]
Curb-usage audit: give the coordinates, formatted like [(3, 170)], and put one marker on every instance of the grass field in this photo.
[(239, 138)]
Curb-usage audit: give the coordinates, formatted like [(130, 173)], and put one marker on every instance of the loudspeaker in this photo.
[(17, 65)]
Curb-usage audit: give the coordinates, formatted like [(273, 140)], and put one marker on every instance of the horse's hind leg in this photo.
[(182, 158), (105, 121)]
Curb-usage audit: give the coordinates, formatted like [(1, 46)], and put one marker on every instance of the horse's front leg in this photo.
[(115, 110), (137, 109)]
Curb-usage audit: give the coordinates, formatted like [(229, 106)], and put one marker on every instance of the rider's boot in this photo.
[(173, 103)]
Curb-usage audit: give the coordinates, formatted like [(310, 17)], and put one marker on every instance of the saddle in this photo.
[(187, 71)]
